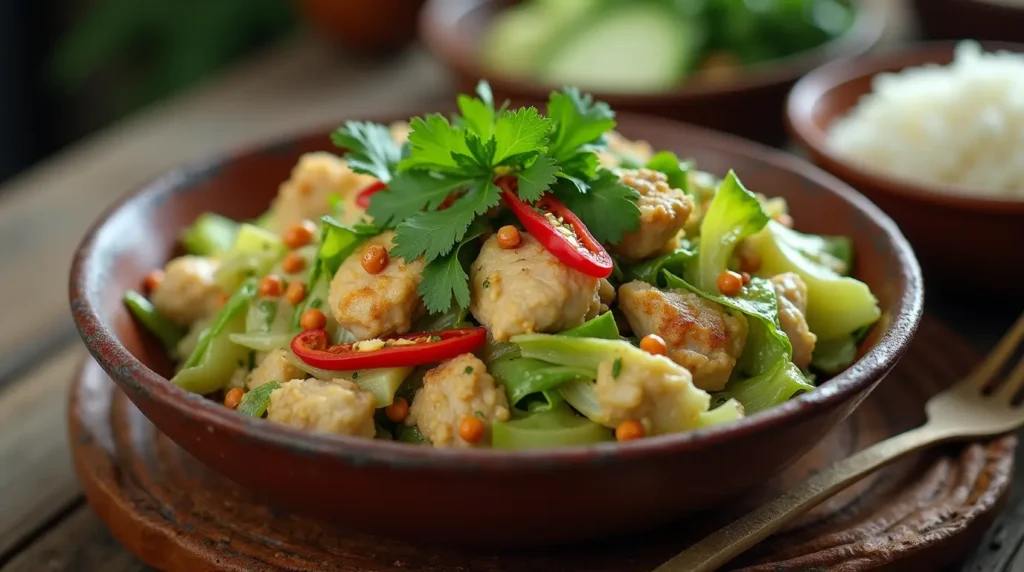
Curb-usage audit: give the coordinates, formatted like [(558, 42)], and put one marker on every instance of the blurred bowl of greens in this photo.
[(723, 64)]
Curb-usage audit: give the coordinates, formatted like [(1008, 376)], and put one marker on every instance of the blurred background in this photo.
[(70, 67)]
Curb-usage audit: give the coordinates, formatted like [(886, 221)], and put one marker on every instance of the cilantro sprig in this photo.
[(441, 183)]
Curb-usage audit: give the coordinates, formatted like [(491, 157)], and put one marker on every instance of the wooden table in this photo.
[(44, 523)]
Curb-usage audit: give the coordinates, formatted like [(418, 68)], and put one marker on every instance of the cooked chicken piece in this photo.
[(458, 388), (526, 289), (620, 148), (703, 186), (652, 390), (274, 367), (399, 132), (606, 294), (374, 305), (188, 292), (702, 336), (663, 213), (338, 406), (791, 292), (306, 195)]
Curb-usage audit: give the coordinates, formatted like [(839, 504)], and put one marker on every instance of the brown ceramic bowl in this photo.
[(379, 27), (963, 241), (483, 496), (750, 106), (974, 19)]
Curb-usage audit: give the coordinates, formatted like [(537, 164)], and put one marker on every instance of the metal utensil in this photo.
[(981, 405)]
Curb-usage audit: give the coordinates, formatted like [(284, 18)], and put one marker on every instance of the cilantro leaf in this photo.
[(433, 141), (445, 278), (478, 113), (433, 234), (520, 134), (577, 120), (609, 209), (582, 165), (482, 152), (568, 182), (410, 193), (678, 173), (370, 148), (537, 178)]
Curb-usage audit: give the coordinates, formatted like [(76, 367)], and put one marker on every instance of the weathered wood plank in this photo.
[(1002, 548), (36, 476), (45, 212), (81, 543)]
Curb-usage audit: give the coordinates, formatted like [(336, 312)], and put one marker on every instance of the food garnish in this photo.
[(313, 348), (444, 179)]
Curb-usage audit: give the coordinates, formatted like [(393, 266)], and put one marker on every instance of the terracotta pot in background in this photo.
[(371, 26)]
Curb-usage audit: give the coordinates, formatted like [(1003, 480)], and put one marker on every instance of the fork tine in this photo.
[(1003, 351), (1012, 384)]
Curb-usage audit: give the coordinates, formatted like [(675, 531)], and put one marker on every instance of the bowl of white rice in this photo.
[(934, 134)]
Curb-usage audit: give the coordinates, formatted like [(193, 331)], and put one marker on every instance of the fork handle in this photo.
[(739, 536)]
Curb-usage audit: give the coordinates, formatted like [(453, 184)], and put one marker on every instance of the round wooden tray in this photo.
[(918, 514)]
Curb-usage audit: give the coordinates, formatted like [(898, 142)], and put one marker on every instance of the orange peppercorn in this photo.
[(746, 278), (295, 293), (299, 234), (654, 344), (398, 410), (783, 219), (629, 430), (233, 397), (312, 319), (270, 286), (375, 259), (153, 280), (508, 237), (749, 261), (471, 429), (293, 262), (223, 299), (730, 283)]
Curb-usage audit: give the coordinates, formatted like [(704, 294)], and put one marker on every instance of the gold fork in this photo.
[(981, 405)]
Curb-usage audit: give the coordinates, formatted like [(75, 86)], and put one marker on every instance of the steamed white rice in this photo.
[(960, 125)]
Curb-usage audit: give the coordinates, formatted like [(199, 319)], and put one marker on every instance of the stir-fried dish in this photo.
[(506, 278)]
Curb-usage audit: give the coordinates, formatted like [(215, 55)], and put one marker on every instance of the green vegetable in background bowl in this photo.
[(654, 45)]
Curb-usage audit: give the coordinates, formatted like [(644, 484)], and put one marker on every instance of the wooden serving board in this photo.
[(918, 514)]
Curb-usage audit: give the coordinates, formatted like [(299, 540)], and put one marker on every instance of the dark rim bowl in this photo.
[(984, 223), (116, 254), (809, 113), (453, 31), (978, 19)]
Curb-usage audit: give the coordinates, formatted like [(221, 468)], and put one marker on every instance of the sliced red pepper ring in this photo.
[(581, 251), (363, 198), (313, 348)]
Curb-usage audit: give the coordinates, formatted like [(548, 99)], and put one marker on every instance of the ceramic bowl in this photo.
[(974, 19), (964, 241), (378, 27), (483, 496), (750, 106)]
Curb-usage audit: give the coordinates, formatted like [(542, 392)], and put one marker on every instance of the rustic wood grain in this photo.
[(36, 477), (918, 514), (80, 543), (46, 211)]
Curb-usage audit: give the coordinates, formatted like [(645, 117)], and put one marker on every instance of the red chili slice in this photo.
[(313, 348), (587, 256), (363, 198)]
